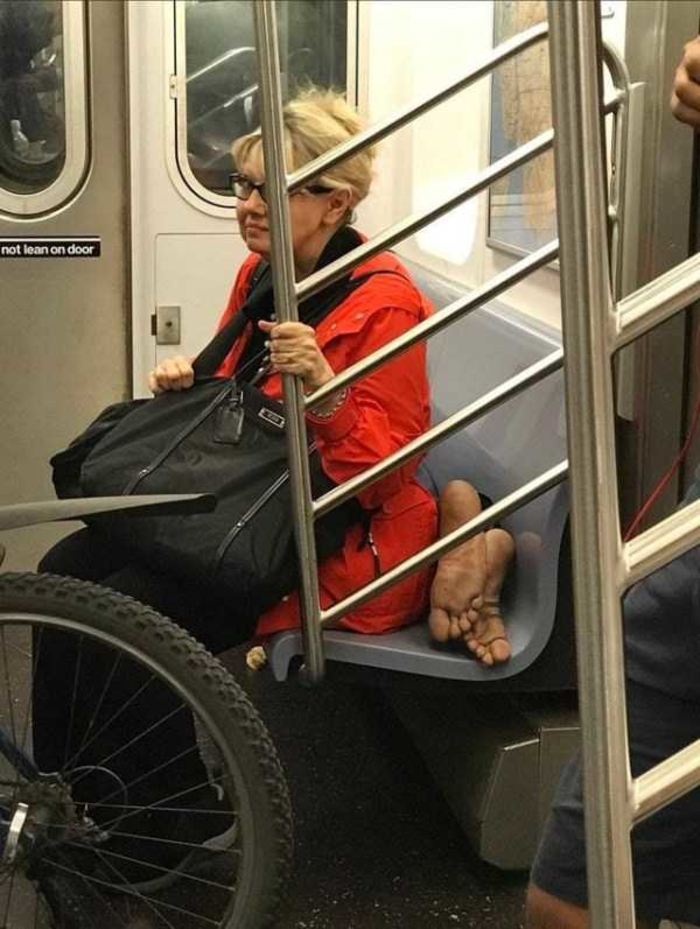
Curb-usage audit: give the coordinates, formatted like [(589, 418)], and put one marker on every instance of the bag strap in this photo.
[(213, 354), (349, 286)]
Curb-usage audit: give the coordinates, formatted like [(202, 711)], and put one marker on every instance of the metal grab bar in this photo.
[(437, 322), (426, 556), (407, 114), (596, 546), (614, 800), (406, 227), (489, 401), (655, 547), (667, 781), (655, 302), (286, 309)]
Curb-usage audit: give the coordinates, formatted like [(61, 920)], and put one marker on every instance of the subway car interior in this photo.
[(415, 779)]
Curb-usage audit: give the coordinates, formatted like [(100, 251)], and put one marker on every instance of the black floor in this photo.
[(376, 846)]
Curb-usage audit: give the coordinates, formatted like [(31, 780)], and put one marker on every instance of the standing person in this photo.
[(662, 647)]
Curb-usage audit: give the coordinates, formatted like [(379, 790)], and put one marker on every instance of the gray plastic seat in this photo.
[(505, 449)]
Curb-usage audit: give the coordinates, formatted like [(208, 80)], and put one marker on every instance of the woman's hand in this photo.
[(294, 350), (171, 374), (685, 99)]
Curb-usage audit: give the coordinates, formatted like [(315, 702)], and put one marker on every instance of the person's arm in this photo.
[(376, 415), (685, 98)]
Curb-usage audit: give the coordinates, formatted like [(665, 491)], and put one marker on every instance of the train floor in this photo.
[(376, 845)]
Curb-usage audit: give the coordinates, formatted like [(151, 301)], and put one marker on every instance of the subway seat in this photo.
[(502, 451)]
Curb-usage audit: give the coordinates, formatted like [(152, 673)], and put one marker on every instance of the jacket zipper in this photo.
[(159, 459)]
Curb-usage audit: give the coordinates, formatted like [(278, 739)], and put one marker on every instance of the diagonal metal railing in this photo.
[(287, 293), (594, 328)]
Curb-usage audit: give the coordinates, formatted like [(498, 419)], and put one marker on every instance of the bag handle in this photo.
[(213, 354)]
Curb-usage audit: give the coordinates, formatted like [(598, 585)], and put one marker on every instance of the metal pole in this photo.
[(282, 260), (588, 324)]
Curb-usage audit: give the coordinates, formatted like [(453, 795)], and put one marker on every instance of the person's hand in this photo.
[(294, 350), (685, 99), (171, 374)]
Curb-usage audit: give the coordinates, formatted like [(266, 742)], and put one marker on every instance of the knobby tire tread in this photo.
[(140, 625)]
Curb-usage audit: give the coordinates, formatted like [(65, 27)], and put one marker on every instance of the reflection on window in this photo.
[(222, 79), (32, 110)]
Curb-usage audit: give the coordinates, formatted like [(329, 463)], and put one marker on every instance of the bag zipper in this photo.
[(250, 514), (159, 459)]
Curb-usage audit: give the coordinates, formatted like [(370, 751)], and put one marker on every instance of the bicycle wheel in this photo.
[(138, 786)]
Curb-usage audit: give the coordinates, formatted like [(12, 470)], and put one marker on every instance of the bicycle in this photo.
[(127, 830)]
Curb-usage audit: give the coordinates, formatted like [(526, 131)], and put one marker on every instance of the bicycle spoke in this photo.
[(150, 902), (37, 642), (93, 718), (147, 774), (157, 805), (113, 718), (8, 684), (137, 738), (154, 838), (74, 700), (182, 875), (13, 872)]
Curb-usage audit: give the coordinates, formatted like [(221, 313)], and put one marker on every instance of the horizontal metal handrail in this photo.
[(660, 544), (468, 414), (412, 111), (657, 301), (437, 322), (221, 59), (666, 781), (406, 227), (513, 501)]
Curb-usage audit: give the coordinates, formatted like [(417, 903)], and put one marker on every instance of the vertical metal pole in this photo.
[(588, 314), (282, 260)]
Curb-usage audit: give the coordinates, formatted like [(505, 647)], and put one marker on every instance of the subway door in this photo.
[(193, 91), (64, 320)]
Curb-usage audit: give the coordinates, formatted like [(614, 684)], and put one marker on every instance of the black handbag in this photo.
[(223, 437)]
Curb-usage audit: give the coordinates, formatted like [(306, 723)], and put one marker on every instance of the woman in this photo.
[(354, 428), (361, 425)]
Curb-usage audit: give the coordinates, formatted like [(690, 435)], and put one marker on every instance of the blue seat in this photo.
[(499, 453)]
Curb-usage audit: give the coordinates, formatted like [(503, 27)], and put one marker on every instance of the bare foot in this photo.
[(486, 638), (457, 593)]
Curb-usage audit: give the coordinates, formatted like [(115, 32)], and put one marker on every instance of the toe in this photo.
[(465, 623), (455, 631), (472, 616), (477, 602), (439, 623), (500, 650)]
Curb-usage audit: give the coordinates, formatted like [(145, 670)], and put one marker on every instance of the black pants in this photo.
[(70, 677)]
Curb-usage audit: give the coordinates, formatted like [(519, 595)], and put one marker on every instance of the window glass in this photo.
[(221, 71), (32, 108)]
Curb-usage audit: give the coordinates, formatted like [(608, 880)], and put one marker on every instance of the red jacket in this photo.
[(382, 412)]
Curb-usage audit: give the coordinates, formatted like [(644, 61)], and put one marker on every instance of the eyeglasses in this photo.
[(243, 188)]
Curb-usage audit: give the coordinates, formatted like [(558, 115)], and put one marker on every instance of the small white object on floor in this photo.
[(256, 659)]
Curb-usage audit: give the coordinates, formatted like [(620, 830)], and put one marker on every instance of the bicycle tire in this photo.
[(262, 820)]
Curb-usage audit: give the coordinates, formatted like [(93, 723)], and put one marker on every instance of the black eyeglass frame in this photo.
[(237, 178)]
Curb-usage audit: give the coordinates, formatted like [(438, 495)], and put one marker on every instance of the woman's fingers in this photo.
[(294, 350), (171, 374)]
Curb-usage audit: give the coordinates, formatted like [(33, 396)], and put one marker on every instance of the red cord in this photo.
[(658, 490)]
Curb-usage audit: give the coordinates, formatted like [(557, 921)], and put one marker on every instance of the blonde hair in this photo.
[(315, 122)]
